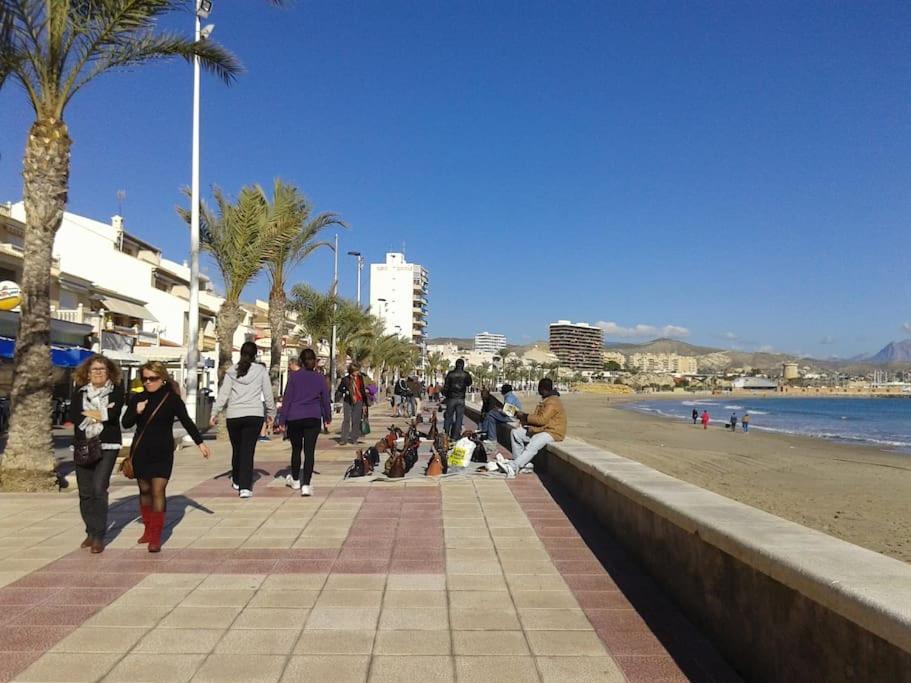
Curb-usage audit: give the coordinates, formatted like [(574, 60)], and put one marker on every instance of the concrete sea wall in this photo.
[(782, 602)]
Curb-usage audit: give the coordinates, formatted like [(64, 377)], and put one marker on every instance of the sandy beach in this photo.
[(857, 493)]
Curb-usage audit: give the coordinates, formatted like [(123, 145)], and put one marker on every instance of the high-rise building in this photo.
[(398, 297), (579, 346), (487, 341)]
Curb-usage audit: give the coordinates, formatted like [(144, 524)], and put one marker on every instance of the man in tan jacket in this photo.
[(546, 425)]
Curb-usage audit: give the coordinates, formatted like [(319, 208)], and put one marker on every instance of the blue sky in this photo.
[(739, 171)]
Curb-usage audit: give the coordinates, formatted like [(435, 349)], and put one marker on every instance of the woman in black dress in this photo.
[(153, 411), (95, 413)]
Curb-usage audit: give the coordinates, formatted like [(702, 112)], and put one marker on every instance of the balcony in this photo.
[(420, 323), (77, 315)]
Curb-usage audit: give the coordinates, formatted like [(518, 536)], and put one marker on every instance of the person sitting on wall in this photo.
[(546, 425), (496, 415)]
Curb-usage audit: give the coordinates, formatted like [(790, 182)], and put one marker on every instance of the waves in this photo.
[(883, 423)]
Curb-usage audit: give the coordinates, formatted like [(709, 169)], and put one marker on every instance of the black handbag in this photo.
[(87, 452)]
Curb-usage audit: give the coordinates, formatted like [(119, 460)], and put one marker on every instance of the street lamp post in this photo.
[(360, 267), (203, 7), (334, 340)]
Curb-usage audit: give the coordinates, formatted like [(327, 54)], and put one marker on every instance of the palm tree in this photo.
[(434, 364), (237, 236), (293, 238), (54, 48)]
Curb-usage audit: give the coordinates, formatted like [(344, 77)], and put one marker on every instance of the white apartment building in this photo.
[(136, 299), (487, 341), (398, 297)]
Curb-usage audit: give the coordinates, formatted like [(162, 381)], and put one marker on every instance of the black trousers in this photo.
[(244, 433), (93, 482), (303, 434)]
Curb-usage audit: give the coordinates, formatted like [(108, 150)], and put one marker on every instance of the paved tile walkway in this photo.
[(470, 579)]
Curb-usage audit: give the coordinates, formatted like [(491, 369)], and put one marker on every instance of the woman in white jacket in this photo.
[(246, 398)]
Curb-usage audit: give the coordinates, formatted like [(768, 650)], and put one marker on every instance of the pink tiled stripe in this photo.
[(629, 639)]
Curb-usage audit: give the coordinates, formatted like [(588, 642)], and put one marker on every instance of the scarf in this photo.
[(95, 398)]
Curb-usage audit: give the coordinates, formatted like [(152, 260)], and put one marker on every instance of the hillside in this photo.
[(681, 348), (892, 353)]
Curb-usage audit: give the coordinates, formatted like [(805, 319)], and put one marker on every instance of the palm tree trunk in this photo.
[(277, 302), (225, 326), (28, 462)]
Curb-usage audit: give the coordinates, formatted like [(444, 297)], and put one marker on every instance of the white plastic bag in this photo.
[(460, 454)]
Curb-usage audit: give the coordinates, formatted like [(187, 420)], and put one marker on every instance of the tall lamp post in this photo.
[(360, 267), (203, 8), (334, 340)]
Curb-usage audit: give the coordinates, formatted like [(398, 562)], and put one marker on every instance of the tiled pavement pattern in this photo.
[(470, 579)]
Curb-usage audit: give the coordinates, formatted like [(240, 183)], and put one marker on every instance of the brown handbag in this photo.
[(126, 467), (434, 465), (395, 466)]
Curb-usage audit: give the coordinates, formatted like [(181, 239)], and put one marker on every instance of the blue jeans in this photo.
[(452, 418), (490, 422)]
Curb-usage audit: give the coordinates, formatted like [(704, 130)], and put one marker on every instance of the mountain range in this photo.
[(892, 353)]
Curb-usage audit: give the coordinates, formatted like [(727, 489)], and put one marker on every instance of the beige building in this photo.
[(664, 363), (579, 346), (614, 356)]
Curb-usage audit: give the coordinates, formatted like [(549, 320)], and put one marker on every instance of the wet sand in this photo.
[(856, 493)]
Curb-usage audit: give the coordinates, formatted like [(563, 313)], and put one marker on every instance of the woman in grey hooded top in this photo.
[(246, 398)]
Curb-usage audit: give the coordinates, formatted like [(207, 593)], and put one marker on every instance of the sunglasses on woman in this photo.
[(147, 379)]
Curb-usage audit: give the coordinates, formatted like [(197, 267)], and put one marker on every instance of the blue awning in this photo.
[(61, 356)]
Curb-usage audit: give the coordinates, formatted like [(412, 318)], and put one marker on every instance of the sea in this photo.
[(884, 423)]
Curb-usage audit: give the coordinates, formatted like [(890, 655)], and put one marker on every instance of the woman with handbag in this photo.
[(95, 413), (151, 458), (305, 404), (246, 397), (352, 392)]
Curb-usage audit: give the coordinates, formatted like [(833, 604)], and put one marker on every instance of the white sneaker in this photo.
[(246, 493), (501, 459), (510, 471), (493, 466), (306, 490), (234, 486), (293, 483)]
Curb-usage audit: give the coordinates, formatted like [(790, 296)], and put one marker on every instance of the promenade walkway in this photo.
[(465, 579)]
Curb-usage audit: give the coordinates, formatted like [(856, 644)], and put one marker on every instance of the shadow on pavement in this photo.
[(696, 657)]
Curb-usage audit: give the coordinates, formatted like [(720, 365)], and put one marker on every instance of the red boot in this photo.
[(155, 526), (145, 511)]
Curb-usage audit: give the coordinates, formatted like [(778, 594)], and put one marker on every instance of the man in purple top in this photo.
[(305, 405)]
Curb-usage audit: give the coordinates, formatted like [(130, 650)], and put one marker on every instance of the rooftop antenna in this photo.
[(121, 196)]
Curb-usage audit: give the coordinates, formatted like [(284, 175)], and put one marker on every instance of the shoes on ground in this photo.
[(234, 485), (87, 543), (493, 466), (264, 438), (510, 471), (246, 493), (97, 546), (501, 459), (306, 490), (292, 482)]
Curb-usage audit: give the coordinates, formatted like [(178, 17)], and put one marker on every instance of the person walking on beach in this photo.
[(705, 419), (695, 415), (733, 422), (745, 422), (305, 405), (246, 397), (153, 411), (95, 413)]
